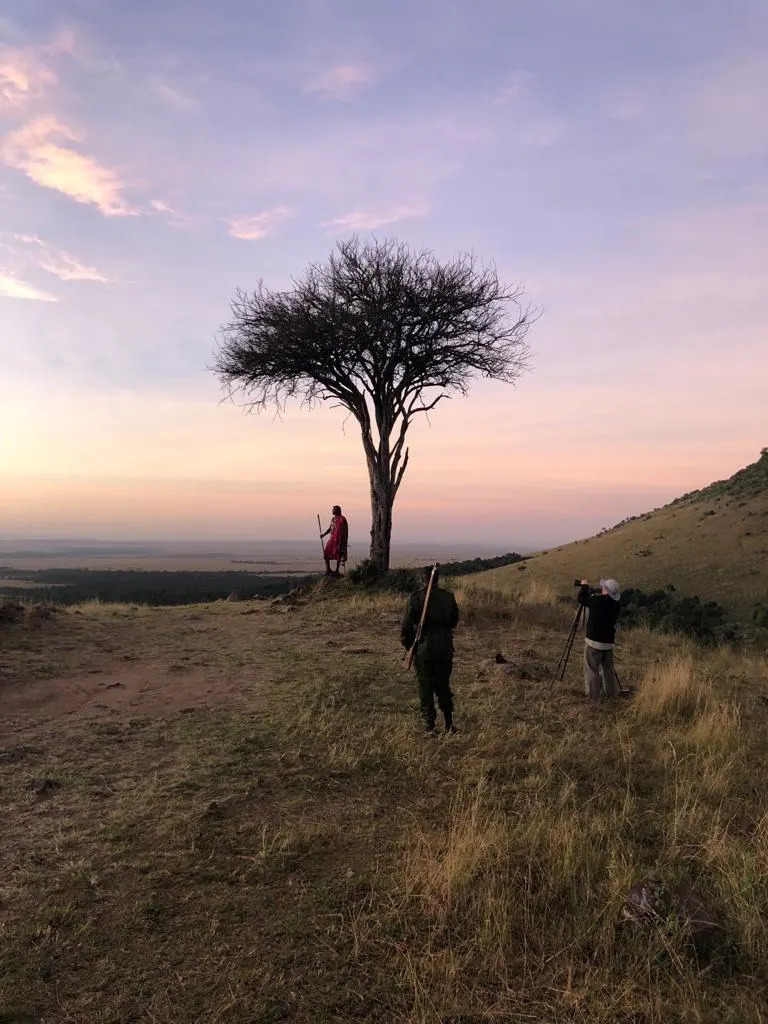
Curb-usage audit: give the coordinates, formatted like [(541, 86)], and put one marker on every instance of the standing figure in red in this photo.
[(336, 546)]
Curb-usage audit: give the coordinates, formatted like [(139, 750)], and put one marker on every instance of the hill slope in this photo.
[(711, 543)]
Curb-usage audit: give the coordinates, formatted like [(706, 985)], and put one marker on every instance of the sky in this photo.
[(608, 156)]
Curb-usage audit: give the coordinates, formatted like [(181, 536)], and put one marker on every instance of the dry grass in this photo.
[(531, 592), (674, 688), (716, 727), (536, 604), (99, 609), (293, 850)]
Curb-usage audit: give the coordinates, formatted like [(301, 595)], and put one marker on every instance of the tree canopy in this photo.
[(384, 332)]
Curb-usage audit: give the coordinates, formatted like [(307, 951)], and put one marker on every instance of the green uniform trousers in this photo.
[(435, 681)]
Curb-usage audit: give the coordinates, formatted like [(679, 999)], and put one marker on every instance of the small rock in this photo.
[(515, 668), (12, 755), (673, 909), (233, 597), (42, 786)]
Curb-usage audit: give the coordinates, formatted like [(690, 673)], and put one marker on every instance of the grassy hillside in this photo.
[(229, 814), (711, 543)]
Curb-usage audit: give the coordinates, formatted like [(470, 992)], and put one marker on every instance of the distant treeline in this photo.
[(159, 587), (144, 586), (403, 581), (470, 565)]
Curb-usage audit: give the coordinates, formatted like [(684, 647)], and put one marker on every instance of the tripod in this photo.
[(559, 672), (561, 665)]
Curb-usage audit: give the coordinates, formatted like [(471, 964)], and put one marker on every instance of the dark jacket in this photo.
[(442, 617), (603, 613)]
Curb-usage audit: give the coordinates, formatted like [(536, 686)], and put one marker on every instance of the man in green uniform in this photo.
[(434, 655)]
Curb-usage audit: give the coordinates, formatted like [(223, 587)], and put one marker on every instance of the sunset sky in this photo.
[(609, 155)]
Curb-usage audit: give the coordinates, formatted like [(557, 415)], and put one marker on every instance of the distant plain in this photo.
[(277, 557)]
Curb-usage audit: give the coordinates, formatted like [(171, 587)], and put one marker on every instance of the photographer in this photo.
[(603, 607)]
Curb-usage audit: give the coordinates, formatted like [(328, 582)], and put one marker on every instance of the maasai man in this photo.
[(336, 546)]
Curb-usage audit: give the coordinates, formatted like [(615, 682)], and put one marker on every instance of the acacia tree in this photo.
[(384, 332)]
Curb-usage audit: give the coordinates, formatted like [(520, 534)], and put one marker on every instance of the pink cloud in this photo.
[(342, 82), (61, 264), (361, 220), (12, 288), (22, 77), (26, 74), (259, 226), (173, 97), (36, 150)]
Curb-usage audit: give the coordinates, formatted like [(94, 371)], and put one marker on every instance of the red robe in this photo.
[(336, 545)]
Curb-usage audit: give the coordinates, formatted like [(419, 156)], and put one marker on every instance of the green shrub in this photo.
[(704, 621), (399, 581)]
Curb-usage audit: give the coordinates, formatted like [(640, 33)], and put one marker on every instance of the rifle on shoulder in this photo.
[(411, 652)]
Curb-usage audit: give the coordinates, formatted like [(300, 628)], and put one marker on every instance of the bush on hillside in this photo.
[(11, 612), (750, 482), (704, 621)]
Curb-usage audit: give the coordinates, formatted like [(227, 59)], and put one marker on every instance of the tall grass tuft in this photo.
[(673, 688), (716, 728)]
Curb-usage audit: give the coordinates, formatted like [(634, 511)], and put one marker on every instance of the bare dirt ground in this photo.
[(115, 668)]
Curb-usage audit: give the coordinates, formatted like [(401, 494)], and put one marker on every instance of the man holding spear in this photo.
[(427, 634)]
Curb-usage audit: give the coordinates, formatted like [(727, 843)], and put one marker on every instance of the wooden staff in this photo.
[(320, 528), (410, 653)]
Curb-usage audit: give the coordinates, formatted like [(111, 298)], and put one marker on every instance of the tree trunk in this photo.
[(382, 499)]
